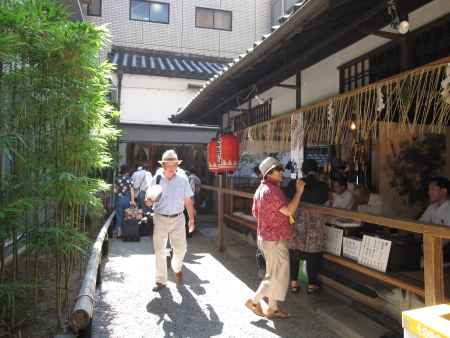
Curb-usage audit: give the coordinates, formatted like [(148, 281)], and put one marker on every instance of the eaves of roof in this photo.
[(163, 63), (290, 24)]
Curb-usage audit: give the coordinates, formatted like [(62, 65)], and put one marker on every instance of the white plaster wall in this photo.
[(153, 99), (283, 99), (321, 80)]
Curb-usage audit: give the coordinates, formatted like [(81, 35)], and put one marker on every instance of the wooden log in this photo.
[(84, 307), (433, 270)]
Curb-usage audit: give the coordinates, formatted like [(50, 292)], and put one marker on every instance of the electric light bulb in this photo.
[(353, 126), (403, 27)]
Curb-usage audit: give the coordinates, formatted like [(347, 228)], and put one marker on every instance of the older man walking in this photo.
[(169, 221)]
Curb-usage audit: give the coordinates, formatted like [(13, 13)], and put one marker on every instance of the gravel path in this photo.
[(210, 303)]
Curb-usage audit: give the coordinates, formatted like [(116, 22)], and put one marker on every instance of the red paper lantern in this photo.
[(228, 157), (212, 156), (223, 154)]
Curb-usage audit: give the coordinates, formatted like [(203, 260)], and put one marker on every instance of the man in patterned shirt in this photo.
[(124, 196), (272, 211)]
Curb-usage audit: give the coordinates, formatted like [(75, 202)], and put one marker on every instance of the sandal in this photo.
[(280, 314), (312, 288), (158, 286), (295, 288), (254, 307)]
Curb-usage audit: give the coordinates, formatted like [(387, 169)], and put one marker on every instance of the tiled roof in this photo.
[(141, 61)]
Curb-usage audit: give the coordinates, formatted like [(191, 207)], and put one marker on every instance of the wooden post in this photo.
[(231, 205), (220, 214), (433, 270), (447, 154)]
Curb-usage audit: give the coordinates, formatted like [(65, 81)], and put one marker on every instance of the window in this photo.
[(150, 11), (355, 75), (432, 42), (213, 18), (258, 114), (288, 4), (94, 8), (276, 12)]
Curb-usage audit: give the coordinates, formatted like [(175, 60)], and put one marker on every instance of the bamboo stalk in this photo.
[(84, 307)]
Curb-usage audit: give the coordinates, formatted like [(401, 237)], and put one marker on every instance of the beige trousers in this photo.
[(276, 281), (173, 229)]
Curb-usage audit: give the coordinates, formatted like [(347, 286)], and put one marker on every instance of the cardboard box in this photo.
[(351, 247), (334, 240), (375, 253)]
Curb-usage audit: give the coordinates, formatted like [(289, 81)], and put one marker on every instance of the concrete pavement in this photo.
[(211, 301)]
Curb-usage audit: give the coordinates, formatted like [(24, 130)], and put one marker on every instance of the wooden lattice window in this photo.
[(355, 75), (257, 114), (432, 42)]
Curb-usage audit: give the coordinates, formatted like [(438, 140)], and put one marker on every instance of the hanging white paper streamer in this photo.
[(297, 139), (445, 84)]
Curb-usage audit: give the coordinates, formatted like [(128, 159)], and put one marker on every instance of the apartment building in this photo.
[(164, 51)]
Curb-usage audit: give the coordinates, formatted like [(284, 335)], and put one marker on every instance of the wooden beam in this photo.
[(447, 153), (298, 94), (433, 270), (385, 278), (387, 35), (375, 303), (220, 213), (286, 86), (390, 222), (239, 220)]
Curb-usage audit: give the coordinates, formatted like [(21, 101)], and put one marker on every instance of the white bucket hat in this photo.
[(170, 156)]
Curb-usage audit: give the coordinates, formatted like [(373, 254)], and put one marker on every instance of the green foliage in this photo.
[(61, 240), (57, 127)]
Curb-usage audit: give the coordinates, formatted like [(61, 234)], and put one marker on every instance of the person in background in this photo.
[(145, 185), (309, 234), (195, 183), (124, 196), (141, 179), (272, 211), (438, 212), (366, 201), (341, 198)]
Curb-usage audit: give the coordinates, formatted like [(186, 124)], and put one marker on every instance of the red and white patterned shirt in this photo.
[(267, 202)]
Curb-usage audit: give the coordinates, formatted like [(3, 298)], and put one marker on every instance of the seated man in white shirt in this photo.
[(366, 201), (438, 212), (341, 198)]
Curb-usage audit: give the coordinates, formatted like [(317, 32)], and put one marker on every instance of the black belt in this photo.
[(170, 216)]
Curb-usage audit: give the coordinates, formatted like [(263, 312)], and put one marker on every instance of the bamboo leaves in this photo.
[(56, 132)]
